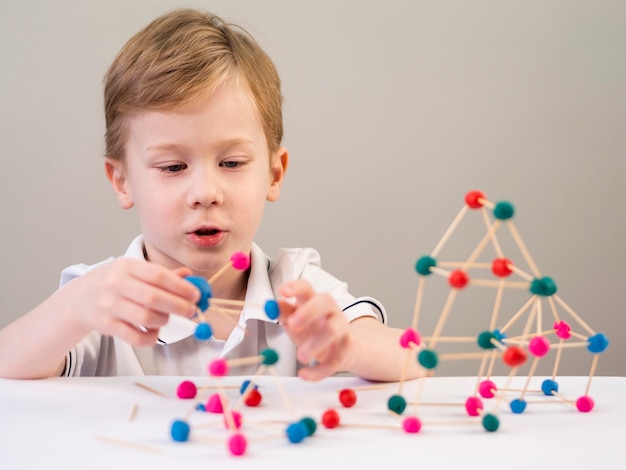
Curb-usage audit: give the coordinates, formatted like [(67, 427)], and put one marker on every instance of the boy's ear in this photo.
[(116, 174), (280, 160)]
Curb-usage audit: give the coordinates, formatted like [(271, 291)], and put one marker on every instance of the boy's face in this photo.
[(199, 179)]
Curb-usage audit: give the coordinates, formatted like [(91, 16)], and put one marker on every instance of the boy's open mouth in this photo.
[(206, 232)]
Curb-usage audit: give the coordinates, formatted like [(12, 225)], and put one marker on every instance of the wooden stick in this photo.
[(557, 360), (452, 339), (457, 356), (418, 301), (245, 361), (219, 272), (405, 367), (573, 314), (133, 412), (496, 306), (153, 390), (239, 303), (519, 313), (592, 372), (555, 314), (520, 244), (521, 273), (531, 372), (451, 229), (132, 445), (496, 245), (497, 283), (443, 317), (282, 391), (458, 264), (481, 246)]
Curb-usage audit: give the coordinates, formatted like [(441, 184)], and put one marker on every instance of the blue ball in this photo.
[(518, 406), (203, 332), (548, 387), (271, 309), (597, 343), (205, 291), (296, 432), (245, 385), (180, 431)]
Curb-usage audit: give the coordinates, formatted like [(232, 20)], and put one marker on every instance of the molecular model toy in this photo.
[(543, 324), (547, 324), (218, 402)]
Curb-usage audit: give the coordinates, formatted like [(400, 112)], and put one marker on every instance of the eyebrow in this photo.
[(221, 145)]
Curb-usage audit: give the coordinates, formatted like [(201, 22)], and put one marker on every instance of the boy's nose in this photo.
[(205, 190)]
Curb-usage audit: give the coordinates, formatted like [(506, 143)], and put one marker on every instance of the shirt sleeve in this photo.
[(82, 359), (305, 263)]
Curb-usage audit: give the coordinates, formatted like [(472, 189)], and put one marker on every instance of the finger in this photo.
[(300, 289), (157, 299), (133, 335), (285, 310), (316, 373), (165, 279), (314, 311), (323, 343)]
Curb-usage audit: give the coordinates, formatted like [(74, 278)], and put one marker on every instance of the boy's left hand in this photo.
[(318, 328)]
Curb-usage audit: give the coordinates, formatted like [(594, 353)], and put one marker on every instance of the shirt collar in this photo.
[(258, 291)]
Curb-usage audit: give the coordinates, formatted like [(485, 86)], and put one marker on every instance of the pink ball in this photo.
[(539, 346), (562, 329), (236, 419), (473, 406), (412, 425), (585, 404), (214, 404), (237, 444), (409, 336), (241, 261), (186, 390), (487, 389), (218, 368)]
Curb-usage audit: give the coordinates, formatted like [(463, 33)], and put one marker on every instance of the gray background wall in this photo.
[(394, 110)]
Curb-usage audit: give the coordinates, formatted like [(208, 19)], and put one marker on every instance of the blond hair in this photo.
[(178, 58)]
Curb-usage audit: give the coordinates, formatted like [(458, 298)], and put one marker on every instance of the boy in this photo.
[(193, 142)]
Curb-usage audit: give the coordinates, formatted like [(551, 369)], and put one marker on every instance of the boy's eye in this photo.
[(174, 168), (231, 164)]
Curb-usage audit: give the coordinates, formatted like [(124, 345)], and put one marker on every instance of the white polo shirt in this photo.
[(178, 352)]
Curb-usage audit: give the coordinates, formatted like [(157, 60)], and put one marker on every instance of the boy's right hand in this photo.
[(122, 295)]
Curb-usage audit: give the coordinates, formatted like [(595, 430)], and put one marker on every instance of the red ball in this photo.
[(475, 199), (254, 398), (330, 419), (458, 279), (500, 267), (347, 397), (514, 356)]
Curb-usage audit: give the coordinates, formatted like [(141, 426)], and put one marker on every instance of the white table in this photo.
[(112, 423)]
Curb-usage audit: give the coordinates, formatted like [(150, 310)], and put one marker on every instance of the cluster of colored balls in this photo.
[(187, 390), (237, 442), (239, 261), (298, 431)]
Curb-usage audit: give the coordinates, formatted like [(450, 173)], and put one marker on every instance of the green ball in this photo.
[(397, 404), (484, 340), (491, 422), (544, 286), (424, 264), (270, 357), (427, 359), (310, 424), (503, 210)]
